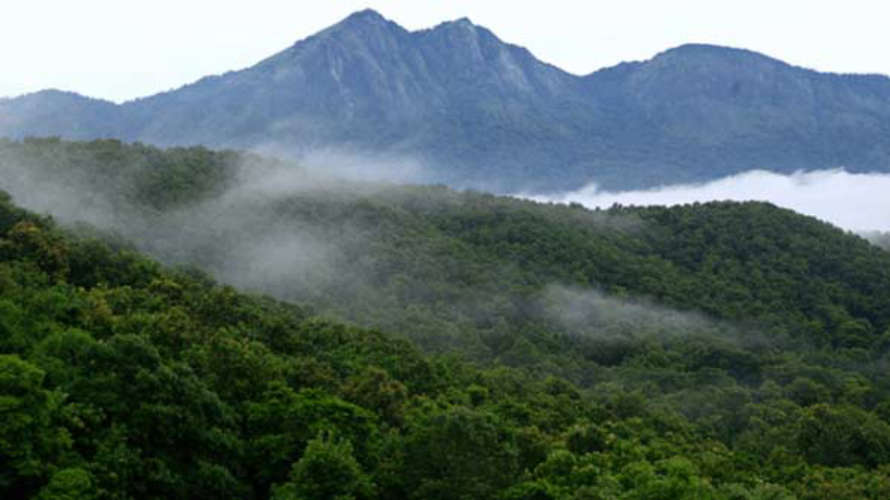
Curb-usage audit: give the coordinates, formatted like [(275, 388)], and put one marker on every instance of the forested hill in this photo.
[(122, 379), (460, 269), (477, 111)]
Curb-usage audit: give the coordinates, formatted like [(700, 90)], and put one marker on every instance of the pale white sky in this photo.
[(118, 50)]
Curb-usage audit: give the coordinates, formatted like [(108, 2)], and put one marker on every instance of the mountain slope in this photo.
[(483, 113), (457, 271), (368, 85), (122, 379)]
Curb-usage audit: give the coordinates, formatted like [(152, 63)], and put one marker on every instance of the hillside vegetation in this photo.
[(719, 350)]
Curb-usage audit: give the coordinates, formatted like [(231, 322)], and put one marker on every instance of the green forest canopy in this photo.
[(729, 350)]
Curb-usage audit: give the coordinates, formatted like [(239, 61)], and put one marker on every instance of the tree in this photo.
[(839, 436), (461, 454), (326, 471), (69, 484), (28, 441)]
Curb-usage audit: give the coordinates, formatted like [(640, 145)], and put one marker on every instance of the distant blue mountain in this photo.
[(483, 113)]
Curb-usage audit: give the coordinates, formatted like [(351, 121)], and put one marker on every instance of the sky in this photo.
[(121, 50)]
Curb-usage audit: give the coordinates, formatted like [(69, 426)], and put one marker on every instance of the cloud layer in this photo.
[(856, 202)]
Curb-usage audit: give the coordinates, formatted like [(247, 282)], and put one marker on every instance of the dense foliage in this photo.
[(719, 350)]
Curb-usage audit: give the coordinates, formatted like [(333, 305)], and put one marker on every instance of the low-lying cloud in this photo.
[(592, 313), (357, 165), (856, 202)]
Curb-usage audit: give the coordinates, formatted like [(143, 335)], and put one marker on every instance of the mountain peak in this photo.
[(701, 48), (368, 22), (462, 29), (365, 16), (708, 51), (57, 96), (462, 24)]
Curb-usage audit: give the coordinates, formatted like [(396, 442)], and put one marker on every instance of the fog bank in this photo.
[(856, 202)]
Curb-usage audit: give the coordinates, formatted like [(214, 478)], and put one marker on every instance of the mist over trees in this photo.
[(434, 343), (881, 239), (719, 350)]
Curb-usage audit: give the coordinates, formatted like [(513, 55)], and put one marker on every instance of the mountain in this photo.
[(479, 112), (53, 112)]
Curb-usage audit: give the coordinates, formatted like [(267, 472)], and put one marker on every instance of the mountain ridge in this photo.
[(479, 112)]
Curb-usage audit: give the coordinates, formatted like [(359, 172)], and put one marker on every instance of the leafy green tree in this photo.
[(839, 436), (459, 453), (326, 471), (282, 423), (29, 441), (69, 484)]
